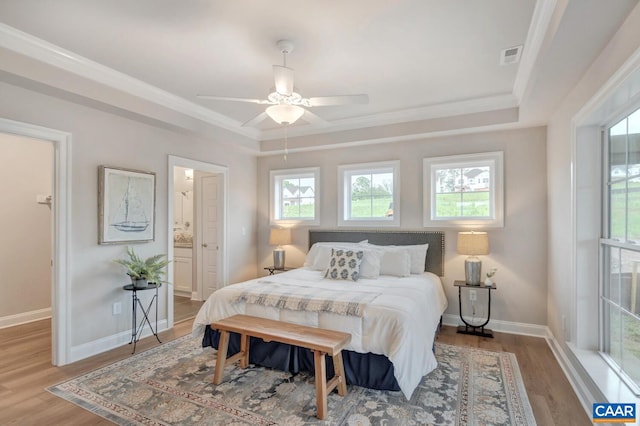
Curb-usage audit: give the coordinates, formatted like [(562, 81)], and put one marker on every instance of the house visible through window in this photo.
[(369, 194), (463, 190), (295, 196), (620, 250)]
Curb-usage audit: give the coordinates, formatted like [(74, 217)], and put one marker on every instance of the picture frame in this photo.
[(126, 205)]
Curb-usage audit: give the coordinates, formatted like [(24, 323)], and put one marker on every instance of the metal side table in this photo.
[(136, 329)]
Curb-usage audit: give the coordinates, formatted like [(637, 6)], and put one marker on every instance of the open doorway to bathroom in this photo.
[(185, 297), (197, 213)]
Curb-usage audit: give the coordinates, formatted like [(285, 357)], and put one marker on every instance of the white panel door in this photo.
[(210, 231)]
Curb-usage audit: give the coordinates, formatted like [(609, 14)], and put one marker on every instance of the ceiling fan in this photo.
[(287, 106)]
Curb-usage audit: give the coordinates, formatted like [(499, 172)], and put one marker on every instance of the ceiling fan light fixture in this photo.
[(285, 113)]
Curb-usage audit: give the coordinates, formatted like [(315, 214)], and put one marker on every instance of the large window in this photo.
[(463, 190), (369, 194), (295, 196), (620, 249)]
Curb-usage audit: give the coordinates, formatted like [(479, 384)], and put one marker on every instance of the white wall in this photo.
[(560, 163), (518, 249), (26, 168), (574, 211), (103, 138)]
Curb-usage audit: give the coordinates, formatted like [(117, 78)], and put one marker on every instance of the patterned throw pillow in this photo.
[(344, 264)]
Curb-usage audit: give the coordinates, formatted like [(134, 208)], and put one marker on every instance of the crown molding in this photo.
[(449, 109), (48, 53), (538, 30), (405, 138)]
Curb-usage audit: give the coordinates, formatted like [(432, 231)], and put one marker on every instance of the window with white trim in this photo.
[(295, 196), (620, 250), (463, 190), (369, 194)]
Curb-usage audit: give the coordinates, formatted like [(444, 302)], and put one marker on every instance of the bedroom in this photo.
[(105, 123)]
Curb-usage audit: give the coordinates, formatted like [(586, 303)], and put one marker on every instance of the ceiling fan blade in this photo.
[(255, 120), (314, 120), (339, 100), (284, 79), (227, 98)]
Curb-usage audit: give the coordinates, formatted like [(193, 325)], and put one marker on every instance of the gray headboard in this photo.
[(435, 239)]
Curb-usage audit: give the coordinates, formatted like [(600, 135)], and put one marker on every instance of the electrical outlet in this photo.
[(116, 308), (473, 295)]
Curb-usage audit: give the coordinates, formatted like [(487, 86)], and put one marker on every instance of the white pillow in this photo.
[(395, 262), (311, 255), (370, 265), (417, 254)]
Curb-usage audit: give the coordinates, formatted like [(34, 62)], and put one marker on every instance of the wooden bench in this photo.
[(322, 342)]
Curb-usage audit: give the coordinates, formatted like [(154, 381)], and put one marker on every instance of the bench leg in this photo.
[(223, 346), (321, 384), (244, 349), (338, 368)]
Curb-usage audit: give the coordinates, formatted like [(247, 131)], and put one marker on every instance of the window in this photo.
[(620, 249), (295, 196), (369, 194), (461, 190)]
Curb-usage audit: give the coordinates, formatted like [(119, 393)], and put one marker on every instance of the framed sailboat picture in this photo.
[(126, 205)]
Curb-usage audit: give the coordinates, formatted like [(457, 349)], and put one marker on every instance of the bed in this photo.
[(392, 310)]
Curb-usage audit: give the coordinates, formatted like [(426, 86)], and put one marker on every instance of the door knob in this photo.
[(205, 245)]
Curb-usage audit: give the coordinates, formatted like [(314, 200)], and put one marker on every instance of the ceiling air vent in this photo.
[(510, 55)]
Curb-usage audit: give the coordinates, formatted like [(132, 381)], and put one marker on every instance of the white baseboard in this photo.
[(502, 326), (25, 317), (182, 292), (580, 387), (96, 347), (195, 296)]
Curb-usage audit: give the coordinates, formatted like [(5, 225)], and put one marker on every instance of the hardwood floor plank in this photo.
[(24, 400)]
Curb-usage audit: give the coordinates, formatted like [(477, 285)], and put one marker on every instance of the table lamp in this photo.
[(279, 237), (473, 244)]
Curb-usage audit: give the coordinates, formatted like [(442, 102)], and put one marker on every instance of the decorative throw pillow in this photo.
[(344, 264), (322, 253)]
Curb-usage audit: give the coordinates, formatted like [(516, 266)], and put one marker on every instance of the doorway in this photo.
[(60, 218), (197, 214), (25, 257)]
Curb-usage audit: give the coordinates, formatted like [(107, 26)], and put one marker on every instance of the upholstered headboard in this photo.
[(435, 239)]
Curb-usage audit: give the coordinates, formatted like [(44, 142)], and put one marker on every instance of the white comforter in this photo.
[(400, 323)]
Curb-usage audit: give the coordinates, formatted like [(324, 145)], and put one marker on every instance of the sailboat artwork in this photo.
[(134, 218), (127, 205)]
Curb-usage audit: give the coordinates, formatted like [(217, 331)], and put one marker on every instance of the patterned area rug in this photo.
[(171, 385)]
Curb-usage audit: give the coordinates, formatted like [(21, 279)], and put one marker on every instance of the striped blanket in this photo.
[(310, 299)]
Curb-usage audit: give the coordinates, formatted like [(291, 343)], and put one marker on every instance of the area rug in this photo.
[(171, 385)]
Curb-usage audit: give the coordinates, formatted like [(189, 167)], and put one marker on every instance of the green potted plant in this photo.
[(144, 271)]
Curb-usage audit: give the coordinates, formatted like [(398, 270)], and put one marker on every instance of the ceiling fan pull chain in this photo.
[(286, 149)]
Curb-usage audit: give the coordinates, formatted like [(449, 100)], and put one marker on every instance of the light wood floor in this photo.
[(184, 308), (26, 370)]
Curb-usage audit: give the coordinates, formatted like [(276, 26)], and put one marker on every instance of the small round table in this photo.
[(136, 329)]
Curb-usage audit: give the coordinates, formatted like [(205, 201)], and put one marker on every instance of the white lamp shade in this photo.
[(473, 243), (280, 236), (285, 113)]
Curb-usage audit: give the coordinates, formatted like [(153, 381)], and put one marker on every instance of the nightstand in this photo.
[(476, 330), (272, 269)]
